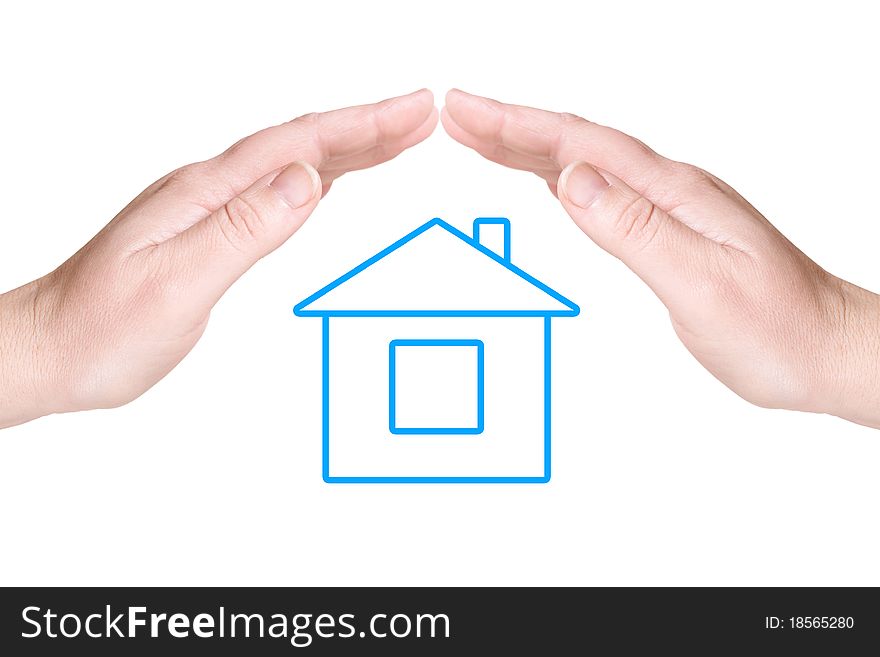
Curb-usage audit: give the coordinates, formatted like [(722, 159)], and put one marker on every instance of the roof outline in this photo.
[(572, 310)]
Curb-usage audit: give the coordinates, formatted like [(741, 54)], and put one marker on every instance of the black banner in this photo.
[(418, 621)]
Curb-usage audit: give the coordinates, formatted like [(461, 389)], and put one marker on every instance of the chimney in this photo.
[(493, 233)]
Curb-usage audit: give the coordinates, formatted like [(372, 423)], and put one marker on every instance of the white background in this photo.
[(661, 475)]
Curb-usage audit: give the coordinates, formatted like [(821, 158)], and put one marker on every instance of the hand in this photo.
[(123, 311), (756, 312)]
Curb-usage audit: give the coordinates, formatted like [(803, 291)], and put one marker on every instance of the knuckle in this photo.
[(240, 221), (310, 119), (308, 126), (694, 178), (572, 119), (638, 221), (186, 178), (201, 183), (310, 140)]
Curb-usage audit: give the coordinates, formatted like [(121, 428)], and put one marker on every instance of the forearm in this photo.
[(25, 390)]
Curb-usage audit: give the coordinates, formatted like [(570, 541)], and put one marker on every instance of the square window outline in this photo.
[(392, 387)]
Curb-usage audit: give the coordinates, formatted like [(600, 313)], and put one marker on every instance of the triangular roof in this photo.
[(442, 273)]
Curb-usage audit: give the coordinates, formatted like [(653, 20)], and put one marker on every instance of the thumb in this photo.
[(658, 248), (224, 245)]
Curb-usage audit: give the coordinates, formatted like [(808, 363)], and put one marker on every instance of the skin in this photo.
[(123, 311), (754, 310)]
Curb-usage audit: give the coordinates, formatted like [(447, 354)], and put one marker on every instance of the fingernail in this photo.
[(582, 184), (297, 184)]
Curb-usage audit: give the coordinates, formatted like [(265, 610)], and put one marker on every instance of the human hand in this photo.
[(124, 310), (754, 310)]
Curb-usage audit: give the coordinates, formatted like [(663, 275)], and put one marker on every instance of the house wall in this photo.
[(512, 442)]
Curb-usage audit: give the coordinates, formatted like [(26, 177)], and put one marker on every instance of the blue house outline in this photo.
[(301, 310)]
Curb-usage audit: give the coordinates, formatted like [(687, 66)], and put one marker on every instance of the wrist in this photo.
[(27, 377), (851, 364)]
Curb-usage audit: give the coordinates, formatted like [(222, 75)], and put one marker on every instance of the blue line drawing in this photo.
[(392, 388), (434, 302), (302, 308), (325, 397), (494, 221)]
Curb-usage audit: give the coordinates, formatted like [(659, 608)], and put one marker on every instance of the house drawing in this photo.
[(436, 362)]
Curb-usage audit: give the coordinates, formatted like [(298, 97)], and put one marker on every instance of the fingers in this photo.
[(331, 142), (663, 252), (219, 249), (388, 146), (546, 142)]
